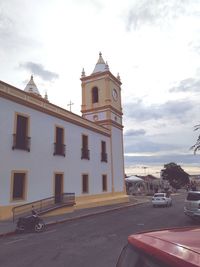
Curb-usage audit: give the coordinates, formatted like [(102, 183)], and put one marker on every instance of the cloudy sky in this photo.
[(153, 44)]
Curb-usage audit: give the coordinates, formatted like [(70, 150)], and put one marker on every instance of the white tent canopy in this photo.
[(134, 179)]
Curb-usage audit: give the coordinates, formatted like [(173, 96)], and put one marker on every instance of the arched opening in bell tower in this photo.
[(95, 95)]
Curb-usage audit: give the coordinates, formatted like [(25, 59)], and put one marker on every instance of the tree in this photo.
[(175, 175), (196, 146)]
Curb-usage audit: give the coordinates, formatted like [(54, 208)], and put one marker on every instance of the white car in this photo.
[(192, 205), (161, 199)]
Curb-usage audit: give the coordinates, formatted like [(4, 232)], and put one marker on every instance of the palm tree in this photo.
[(196, 146)]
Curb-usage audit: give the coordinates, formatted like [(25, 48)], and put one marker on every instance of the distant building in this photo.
[(194, 177), (46, 150), (195, 181)]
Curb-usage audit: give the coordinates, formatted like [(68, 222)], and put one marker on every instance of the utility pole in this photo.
[(144, 167)]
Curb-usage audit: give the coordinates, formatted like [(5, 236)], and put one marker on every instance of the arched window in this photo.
[(95, 95)]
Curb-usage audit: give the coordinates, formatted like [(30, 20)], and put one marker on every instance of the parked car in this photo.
[(161, 199), (178, 247), (192, 205)]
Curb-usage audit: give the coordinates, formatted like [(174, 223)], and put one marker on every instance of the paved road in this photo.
[(90, 242)]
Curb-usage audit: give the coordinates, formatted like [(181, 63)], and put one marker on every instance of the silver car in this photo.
[(161, 199), (192, 205)]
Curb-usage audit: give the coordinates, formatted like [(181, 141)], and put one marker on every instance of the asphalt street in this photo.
[(89, 242)]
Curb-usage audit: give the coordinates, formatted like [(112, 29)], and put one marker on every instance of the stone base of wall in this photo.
[(82, 202), (59, 211), (6, 212), (85, 201)]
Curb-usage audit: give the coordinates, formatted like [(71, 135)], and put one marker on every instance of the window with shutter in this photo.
[(18, 186)]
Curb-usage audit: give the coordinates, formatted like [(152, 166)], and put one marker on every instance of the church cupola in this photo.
[(32, 88), (101, 66)]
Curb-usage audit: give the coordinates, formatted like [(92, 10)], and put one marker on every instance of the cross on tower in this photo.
[(70, 105)]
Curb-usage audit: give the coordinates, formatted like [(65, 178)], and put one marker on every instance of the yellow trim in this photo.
[(105, 83), (99, 196), (59, 211), (24, 187), (18, 96), (84, 201), (6, 212), (100, 200), (107, 96), (103, 107), (109, 123), (83, 96), (104, 74)]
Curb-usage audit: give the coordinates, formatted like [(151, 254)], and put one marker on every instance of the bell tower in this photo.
[(101, 103), (101, 96)]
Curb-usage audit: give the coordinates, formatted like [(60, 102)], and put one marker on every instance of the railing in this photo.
[(59, 149), (104, 157), (85, 153), (21, 144), (43, 205)]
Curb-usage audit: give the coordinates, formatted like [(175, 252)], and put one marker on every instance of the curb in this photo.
[(7, 234), (92, 214), (79, 217)]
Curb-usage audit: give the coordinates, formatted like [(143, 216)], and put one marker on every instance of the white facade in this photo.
[(117, 156), (40, 164)]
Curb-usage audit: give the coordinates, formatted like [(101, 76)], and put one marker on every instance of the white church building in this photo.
[(46, 150)]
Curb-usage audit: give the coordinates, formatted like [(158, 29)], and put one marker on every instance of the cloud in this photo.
[(146, 146), (97, 4), (5, 23), (187, 85), (154, 12), (195, 45), (7, 32), (12, 32), (161, 160), (38, 69), (170, 110), (135, 132)]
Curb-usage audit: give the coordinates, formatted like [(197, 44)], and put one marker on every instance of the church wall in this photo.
[(118, 159), (40, 165)]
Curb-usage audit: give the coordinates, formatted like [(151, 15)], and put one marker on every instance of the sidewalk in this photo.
[(8, 227)]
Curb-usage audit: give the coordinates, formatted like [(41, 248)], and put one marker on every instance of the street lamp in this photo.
[(144, 167)]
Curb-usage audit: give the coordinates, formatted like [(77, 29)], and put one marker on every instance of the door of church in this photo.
[(58, 188)]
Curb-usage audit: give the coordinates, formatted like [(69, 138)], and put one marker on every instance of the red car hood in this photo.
[(179, 247)]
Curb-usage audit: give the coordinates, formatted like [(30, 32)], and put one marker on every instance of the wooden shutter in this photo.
[(21, 131), (59, 135), (85, 183), (103, 147), (85, 142), (18, 185), (58, 187)]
